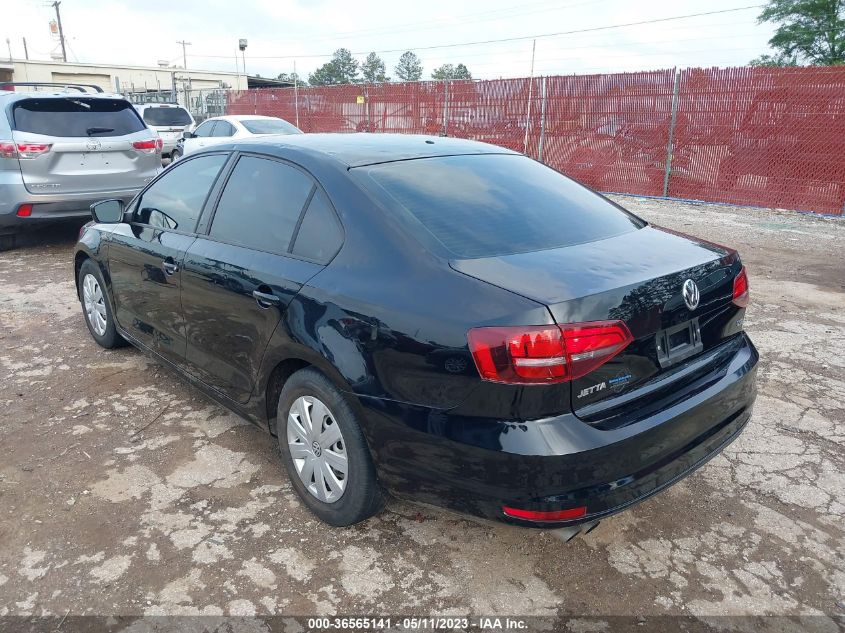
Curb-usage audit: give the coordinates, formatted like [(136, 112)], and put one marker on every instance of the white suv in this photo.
[(168, 120)]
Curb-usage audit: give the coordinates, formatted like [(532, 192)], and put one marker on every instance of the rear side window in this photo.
[(320, 235), (167, 116), (269, 126), (175, 200), (76, 117), (261, 204), (494, 204)]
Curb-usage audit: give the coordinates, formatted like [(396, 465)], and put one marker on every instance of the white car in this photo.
[(222, 129), (169, 120)]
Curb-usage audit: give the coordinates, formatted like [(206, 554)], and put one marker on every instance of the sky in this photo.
[(282, 33)]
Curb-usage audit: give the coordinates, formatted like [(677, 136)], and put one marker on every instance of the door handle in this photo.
[(265, 299), (170, 267)]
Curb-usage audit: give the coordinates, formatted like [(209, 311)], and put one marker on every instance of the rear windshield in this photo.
[(269, 126), (167, 116), (494, 204), (77, 117)]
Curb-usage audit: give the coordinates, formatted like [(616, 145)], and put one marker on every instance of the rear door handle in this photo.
[(266, 299), (170, 267)]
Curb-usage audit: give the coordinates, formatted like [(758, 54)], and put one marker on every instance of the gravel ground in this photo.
[(125, 492)]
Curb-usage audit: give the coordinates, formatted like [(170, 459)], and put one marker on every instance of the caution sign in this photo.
[(360, 99)]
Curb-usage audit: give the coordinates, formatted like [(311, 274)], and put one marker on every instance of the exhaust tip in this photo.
[(566, 534)]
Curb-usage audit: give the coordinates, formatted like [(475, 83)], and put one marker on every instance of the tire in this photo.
[(361, 496), (8, 242), (102, 330), (174, 156)]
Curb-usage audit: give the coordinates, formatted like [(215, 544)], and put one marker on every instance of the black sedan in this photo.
[(442, 319)]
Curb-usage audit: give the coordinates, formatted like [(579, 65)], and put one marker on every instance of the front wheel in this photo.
[(324, 451), (175, 155), (96, 307)]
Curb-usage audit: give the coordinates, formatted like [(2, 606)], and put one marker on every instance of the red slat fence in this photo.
[(772, 137)]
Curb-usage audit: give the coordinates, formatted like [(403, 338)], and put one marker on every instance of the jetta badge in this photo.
[(690, 294)]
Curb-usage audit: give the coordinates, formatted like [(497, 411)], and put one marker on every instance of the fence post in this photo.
[(670, 147), (255, 101), (542, 119), (446, 108)]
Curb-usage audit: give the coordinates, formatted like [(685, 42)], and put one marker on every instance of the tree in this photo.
[(448, 71), (409, 67), (342, 69), (372, 70), (808, 32), (292, 78)]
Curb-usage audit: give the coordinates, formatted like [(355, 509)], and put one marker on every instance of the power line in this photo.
[(512, 39)]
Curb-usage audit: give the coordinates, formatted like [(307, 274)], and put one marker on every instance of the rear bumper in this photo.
[(477, 466), (49, 207)]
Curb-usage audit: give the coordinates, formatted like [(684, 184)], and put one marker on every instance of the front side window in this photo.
[(205, 129), (261, 204), (223, 128), (176, 199)]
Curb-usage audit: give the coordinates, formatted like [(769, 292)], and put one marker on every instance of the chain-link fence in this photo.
[(771, 137)]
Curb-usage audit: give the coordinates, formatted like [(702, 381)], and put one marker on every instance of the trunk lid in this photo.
[(90, 145), (637, 278)]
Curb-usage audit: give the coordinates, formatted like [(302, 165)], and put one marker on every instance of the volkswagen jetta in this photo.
[(442, 319)]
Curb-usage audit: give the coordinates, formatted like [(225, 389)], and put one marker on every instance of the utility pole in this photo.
[(187, 74), (61, 32), (25, 51), (9, 46), (530, 95)]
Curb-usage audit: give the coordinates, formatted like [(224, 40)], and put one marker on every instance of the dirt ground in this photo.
[(125, 492)]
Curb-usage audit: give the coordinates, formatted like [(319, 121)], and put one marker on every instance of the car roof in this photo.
[(359, 149), (59, 94), (242, 117), (141, 106)]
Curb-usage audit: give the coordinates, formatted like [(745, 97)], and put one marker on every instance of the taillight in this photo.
[(741, 296), (545, 354), (151, 146), (24, 211), (540, 515), (10, 149)]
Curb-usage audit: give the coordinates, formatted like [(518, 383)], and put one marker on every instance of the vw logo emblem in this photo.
[(690, 293), (316, 448), (93, 145)]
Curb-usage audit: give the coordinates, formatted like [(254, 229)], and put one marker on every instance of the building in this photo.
[(121, 78)]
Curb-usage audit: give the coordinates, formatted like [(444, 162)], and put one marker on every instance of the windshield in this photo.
[(494, 204), (167, 116), (77, 117), (269, 126)]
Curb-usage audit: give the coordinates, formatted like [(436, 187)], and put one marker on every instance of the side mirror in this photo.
[(108, 211), (187, 134)]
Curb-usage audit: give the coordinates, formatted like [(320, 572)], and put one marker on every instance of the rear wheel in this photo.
[(324, 451), (96, 307), (8, 242), (175, 155)]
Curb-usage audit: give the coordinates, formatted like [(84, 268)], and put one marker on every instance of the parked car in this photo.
[(63, 148), (332, 287), (169, 120), (225, 129)]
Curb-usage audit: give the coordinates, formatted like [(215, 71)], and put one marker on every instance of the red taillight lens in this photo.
[(24, 211), (151, 146), (32, 150), (10, 149), (545, 354), (539, 515), (741, 295), (591, 345)]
